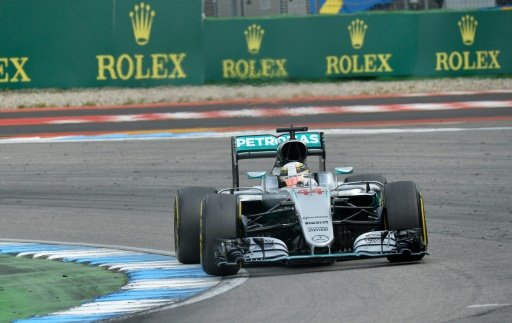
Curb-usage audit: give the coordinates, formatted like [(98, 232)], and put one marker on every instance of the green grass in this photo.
[(30, 287)]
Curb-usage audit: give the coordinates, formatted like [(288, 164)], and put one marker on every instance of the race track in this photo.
[(120, 193)]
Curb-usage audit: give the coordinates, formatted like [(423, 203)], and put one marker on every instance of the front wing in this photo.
[(256, 250)]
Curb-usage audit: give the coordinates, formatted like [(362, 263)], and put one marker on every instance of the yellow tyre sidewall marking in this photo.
[(201, 232), (423, 222), (176, 222)]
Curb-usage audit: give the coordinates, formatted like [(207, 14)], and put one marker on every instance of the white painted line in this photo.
[(354, 131), (23, 242), (452, 93), (487, 305), (96, 253), (408, 130), (366, 109), (140, 266), (199, 135), (113, 307), (172, 283), (68, 121), (79, 253), (226, 284)]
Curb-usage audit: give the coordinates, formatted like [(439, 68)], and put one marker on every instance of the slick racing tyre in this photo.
[(405, 210), (219, 220), (366, 178), (187, 209)]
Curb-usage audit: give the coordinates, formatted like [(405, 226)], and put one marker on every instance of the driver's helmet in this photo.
[(293, 174)]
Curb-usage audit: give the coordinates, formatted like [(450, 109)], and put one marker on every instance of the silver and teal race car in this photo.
[(324, 217)]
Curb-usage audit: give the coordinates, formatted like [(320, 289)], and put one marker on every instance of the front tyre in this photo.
[(405, 211), (219, 220), (187, 209)]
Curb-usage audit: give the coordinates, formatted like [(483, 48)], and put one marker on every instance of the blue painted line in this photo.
[(135, 296), (107, 137), (69, 318), (167, 273), (36, 247), (151, 294), (106, 259)]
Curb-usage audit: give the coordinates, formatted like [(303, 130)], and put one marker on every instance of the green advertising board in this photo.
[(146, 43), (309, 47), (359, 45), (464, 43), (94, 43)]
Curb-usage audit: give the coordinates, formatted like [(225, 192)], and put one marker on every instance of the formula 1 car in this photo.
[(321, 220)]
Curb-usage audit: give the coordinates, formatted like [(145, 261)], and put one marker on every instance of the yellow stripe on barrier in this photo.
[(331, 7)]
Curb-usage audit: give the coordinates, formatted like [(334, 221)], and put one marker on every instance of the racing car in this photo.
[(292, 215)]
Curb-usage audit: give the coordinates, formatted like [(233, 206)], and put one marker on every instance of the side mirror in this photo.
[(344, 170), (326, 179), (256, 175), (262, 175)]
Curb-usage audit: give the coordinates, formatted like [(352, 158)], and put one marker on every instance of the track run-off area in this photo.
[(89, 184), (151, 281)]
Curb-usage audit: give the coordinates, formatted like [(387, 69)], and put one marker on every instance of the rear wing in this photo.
[(265, 146)]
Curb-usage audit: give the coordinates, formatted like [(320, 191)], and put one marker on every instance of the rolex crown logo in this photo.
[(467, 25), (357, 31), (142, 18), (254, 36)]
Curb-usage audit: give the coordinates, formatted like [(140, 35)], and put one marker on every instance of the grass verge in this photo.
[(30, 287)]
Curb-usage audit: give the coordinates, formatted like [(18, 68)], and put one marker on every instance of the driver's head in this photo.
[(292, 174)]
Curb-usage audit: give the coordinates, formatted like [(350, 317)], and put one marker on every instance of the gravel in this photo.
[(43, 98)]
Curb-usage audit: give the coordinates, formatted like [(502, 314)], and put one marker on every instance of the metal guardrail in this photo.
[(255, 8)]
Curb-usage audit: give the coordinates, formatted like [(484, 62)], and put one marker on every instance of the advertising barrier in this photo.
[(359, 45), (94, 43), (145, 43), (466, 43)]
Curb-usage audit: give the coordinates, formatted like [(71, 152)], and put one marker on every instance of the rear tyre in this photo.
[(187, 210), (219, 220), (405, 210), (366, 178)]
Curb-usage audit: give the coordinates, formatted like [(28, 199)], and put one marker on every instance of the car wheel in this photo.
[(219, 220), (187, 209), (366, 177), (405, 210)]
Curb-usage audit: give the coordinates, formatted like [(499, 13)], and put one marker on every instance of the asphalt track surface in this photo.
[(120, 193)]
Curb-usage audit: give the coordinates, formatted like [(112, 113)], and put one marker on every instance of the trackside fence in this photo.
[(95, 43), (404, 44), (146, 43)]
